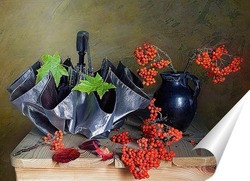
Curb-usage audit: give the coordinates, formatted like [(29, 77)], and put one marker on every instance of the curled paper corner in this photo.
[(228, 142)]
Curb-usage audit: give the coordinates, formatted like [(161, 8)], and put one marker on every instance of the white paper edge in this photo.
[(217, 139), (235, 161)]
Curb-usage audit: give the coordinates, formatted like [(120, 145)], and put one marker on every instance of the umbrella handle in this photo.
[(81, 46)]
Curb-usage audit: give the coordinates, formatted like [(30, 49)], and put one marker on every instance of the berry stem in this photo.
[(171, 66), (190, 62)]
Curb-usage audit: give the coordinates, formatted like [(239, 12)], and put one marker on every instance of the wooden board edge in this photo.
[(194, 161)]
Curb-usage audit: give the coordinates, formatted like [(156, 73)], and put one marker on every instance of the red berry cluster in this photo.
[(122, 138), (144, 55), (148, 75), (218, 52), (154, 111), (159, 145), (160, 64), (140, 161), (161, 131), (56, 141), (153, 147), (173, 135), (218, 63)]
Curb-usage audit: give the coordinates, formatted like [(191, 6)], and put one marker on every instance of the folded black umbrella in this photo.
[(51, 108)]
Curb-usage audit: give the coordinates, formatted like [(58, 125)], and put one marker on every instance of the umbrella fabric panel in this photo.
[(77, 113)]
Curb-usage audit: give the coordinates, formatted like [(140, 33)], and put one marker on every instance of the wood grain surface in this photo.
[(188, 164)]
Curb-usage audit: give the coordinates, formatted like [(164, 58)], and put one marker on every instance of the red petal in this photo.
[(66, 155)]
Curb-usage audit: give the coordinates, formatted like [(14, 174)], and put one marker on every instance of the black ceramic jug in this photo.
[(177, 99)]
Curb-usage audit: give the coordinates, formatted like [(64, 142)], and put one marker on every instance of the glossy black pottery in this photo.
[(178, 98)]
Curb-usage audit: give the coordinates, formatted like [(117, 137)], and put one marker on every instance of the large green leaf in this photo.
[(94, 84), (51, 64)]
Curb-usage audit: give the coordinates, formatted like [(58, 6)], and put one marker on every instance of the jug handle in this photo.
[(196, 82)]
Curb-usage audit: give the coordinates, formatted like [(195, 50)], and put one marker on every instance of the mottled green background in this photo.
[(30, 28)]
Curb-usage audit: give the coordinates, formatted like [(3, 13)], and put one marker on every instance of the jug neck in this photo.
[(174, 78)]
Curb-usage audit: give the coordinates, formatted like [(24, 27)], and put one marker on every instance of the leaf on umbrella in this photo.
[(94, 84), (51, 64), (84, 86), (66, 155)]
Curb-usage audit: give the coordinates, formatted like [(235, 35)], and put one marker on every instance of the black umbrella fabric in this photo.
[(51, 108)]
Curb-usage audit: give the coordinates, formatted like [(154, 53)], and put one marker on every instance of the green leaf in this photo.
[(94, 84), (51, 64), (84, 86), (101, 90)]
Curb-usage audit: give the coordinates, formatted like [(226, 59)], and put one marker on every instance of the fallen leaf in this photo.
[(89, 145), (103, 152), (66, 155)]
